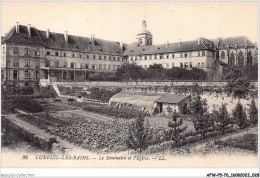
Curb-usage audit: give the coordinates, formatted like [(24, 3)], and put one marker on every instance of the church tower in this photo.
[(145, 38)]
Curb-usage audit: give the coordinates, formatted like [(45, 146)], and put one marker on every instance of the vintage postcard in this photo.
[(129, 85)]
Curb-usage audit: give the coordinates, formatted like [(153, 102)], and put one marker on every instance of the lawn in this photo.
[(247, 142)]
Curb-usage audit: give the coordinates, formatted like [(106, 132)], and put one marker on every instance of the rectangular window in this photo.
[(181, 65), (109, 58), (114, 67), (198, 64), (64, 54), (155, 56), (167, 56), (65, 64), (150, 57), (114, 59), (81, 65), (105, 57), (56, 63), (37, 64), (186, 55), (87, 56), (167, 65), (86, 66), (190, 64), (118, 66), (118, 59), (26, 74), (93, 66), (100, 57), (37, 53), (172, 55), (100, 66), (181, 55), (202, 64), (48, 53), (15, 74), (94, 56), (161, 56), (198, 53), (27, 63), (73, 55), (72, 65), (109, 66), (105, 67), (185, 64), (3, 50), (80, 56), (16, 62), (56, 53), (172, 64)]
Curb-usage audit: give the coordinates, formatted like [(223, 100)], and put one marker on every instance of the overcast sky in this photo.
[(121, 21)]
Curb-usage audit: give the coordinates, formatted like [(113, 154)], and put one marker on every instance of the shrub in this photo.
[(27, 104), (240, 116)]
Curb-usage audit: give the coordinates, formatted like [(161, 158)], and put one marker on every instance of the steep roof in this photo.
[(135, 49), (232, 41), (57, 41), (171, 98)]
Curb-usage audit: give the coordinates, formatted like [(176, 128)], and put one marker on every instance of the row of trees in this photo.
[(139, 135), (157, 72)]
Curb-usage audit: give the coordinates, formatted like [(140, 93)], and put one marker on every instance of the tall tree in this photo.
[(198, 106), (175, 124), (203, 124), (223, 119), (139, 135), (253, 112), (240, 116)]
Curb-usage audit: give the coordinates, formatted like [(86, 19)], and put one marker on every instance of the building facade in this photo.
[(30, 55)]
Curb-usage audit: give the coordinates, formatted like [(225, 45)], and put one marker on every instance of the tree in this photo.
[(203, 124), (238, 87), (139, 135), (223, 119), (175, 124), (253, 113), (240, 116), (198, 106)]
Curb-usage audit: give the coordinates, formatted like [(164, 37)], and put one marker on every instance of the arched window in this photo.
[(222, 55), (15, 74), (232, 60), (249, 59), (240, 59)]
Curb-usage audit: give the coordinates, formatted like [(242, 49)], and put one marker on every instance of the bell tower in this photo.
[(145, 38)]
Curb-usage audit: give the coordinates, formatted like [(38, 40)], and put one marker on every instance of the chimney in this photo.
[(199, 41), (92, 38), (167, 44), (17, 27), (29, 29), (180, 43), (121, 45), (48, 33), (66, 37)]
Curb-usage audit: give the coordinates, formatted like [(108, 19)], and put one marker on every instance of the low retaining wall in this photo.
[(36, 140)]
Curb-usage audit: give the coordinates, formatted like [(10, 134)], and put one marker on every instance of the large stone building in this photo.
[(30, 55)]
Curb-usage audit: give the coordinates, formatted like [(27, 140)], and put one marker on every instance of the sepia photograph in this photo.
[(129, 85)]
